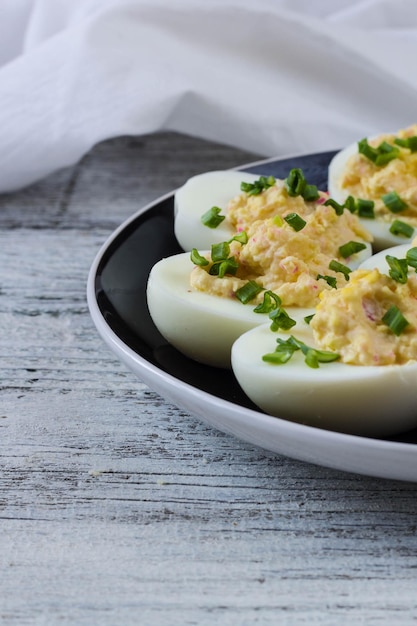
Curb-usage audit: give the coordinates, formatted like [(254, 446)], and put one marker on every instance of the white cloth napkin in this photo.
[(272, 76)]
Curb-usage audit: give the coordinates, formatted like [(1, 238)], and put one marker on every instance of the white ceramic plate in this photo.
[(116, 293)]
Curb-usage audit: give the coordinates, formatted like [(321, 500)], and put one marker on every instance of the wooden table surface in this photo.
[(118, 508)]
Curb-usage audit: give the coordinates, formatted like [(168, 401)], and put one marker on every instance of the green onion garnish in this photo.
[(295, 182), (197, 259), (350, 204), (410, 143), (220, 251), (283, 351), (295, 221), (278, 221), (248, 292), (386, 153), (226, 266), (339, 267), (257, 187), (310, 193), (241, 237), (286, 348), (398, 268), (339, 208), (212, 217), (351, 247), (280, 320), (401, 229), (393, 202), (365, 208), (271, 301), (368, 151), (308, 318), (296, 185), (330, 280), (395, 320), (380, 155), (411, 257)]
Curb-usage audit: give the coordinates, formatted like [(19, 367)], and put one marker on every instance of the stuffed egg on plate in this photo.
[(277, 264), (377, 178), (214, 206), (352, 369)]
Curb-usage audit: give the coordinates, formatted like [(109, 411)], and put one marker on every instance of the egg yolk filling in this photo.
[(245, 209), (366, 179), (352, 320), (286, 261)]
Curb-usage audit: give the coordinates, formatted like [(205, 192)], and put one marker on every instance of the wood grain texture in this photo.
[(118, 508)]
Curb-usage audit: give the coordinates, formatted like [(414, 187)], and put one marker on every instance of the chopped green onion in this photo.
[(197, 259), (410, 143), (220, 251), (398, 268), (286, 348), (296, 185), (339, 208), (280, 320), (314, 357), (310, 193), (351, 247), (295, 221), (226, 266), (330, 280), (271, 301), (365, 208), (395, 320), (368, 151), (295, 182), (381, 155), (308, 318), (350, 204), (401, 229), (212, 217), (248, 292), (411, 257), (339, 267), (241, 237), (278, 221), (283, 352), (386, 153), (393, 202), (257, 187)]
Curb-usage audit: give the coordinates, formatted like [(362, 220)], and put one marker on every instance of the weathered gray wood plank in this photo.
[(119, 508)]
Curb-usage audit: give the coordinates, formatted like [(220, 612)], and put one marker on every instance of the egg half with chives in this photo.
[(200, 325), (213, 206), (377, 178), (352, 369), (201, 302)]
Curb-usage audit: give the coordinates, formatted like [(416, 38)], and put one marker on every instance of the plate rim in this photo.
[(292, 436)]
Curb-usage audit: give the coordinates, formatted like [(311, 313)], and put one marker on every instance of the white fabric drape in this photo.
[(272, 76)]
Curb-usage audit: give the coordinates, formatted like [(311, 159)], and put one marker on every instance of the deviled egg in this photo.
[(196, 300), (201, 325), (212, 207), (379, 176), (352, 369)]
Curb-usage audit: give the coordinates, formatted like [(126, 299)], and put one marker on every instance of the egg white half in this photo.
[(197, 196), (378, 228), (200, 325), (361, 400), (378, 260)]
